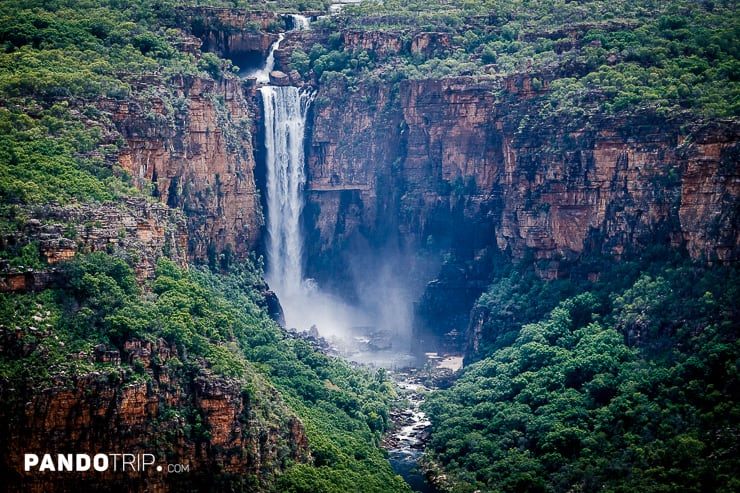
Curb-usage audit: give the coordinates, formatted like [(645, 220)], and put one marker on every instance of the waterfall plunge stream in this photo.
[(377, 332), (285, 119), (304, 304)]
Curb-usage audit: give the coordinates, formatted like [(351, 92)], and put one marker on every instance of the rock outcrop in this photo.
[(140, 229), (381, 44), (278, 78), (202, 432), (230, 32), (189, 142)]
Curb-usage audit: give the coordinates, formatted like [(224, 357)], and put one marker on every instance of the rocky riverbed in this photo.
[(406, 441)]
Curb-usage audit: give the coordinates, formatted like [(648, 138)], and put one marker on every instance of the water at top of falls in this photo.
[(336, 6), (263, 74), (300, 22)]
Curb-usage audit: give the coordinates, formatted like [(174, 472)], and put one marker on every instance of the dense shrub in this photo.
[(633, 390)]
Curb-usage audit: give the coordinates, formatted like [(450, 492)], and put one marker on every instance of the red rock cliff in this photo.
[(222, 436), (555, 191), (230, 31), (452, 167), (189, 141)]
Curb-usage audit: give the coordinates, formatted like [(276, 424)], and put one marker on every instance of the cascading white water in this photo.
[(383, 307), (304, 305), (263, 74), (285, 119), (300, 22)]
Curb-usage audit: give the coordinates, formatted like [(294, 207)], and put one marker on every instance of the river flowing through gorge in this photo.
[(305, 306), (411, 428), (374, 333)]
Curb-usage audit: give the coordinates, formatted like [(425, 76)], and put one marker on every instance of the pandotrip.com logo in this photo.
[(135, 463)]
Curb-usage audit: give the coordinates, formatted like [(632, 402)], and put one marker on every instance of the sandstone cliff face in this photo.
[(342, 153), (189, 142), (710, 190), (228, 438), (616, 187), (453, 164), (381, 44), (138, 228), (230, 32), (554, 192)]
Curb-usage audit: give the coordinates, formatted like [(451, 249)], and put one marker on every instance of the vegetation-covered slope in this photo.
[(679, 56), (56, 57), (87, 323), (215, 325), (631, 385)]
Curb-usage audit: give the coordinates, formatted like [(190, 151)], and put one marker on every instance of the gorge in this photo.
[(222, 224), (444, 178)]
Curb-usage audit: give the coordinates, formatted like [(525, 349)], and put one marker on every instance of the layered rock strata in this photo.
[(202, 432), (555, 192), (229, 31), (188, 141), (140, 229)]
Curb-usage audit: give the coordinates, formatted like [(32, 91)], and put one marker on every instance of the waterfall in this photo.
[(263, 74), (300, 22), (285, 111), (304, 304), (382, 318)]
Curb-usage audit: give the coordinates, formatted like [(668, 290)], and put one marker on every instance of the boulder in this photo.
[(278, 78)]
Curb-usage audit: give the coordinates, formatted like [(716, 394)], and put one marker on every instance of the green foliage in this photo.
[(300, 61), (40, 160), (514, 300), (216, 322), (54, 58), (211, 64), (338, 405), (23, 257), (570, 405), (676, 57)]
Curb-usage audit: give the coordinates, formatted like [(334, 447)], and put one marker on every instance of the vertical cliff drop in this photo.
[(285, 119), (285, 110)]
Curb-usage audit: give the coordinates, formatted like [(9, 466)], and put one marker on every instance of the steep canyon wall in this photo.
[(225, 437), (189, 141), (554, 191), (453, 165), (449, 168)]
